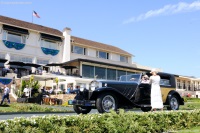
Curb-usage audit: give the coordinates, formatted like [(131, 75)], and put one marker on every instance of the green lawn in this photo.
[(28, 107), (190, 106), (191, 130), (191, 103)]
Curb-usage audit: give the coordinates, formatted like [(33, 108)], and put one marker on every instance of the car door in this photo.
[(167, 83)]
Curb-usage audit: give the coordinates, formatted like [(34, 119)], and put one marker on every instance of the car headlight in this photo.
[(95, 84)]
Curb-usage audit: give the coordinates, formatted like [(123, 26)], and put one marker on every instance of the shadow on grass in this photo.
[(4, 105)]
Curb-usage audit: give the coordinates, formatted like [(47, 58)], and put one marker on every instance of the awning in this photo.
[(17, 63), (20, 67), (39, 77), (68, 67), (54, 64), (50, 37), (15, 29), (5, 81)]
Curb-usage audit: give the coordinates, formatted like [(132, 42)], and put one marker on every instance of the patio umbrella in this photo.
[(54, 64), (3, 60), (32, 65), (17, 63), (69, 67)]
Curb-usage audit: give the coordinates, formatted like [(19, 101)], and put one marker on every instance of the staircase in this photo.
[(12, 99)]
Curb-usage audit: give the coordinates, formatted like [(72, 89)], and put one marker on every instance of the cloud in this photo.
[(181, 7)]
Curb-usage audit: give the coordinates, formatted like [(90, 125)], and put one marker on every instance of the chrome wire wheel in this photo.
[(108, 103), (174, 103)]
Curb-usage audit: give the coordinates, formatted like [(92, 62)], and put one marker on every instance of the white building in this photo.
[(31, 43), (26, 42)]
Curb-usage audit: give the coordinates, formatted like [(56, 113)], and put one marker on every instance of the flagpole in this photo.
[(32, 16)]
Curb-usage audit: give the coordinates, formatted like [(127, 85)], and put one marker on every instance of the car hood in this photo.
[(108, 83)]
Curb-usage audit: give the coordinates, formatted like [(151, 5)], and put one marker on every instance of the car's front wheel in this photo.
[(173, 103), (106, 102), (81, 109)]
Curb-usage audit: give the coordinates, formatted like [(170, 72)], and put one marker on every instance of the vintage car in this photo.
[(127, 93)]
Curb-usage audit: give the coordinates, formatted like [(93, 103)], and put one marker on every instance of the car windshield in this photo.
[(132, 77)]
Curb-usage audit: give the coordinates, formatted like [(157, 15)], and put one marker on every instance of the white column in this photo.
[(34, 61), (80, 69), (67, 45)]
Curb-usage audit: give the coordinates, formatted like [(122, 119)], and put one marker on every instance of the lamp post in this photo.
[(30, 84), (56, 80)]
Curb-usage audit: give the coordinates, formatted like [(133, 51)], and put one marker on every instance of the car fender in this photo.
[(99, 91), (103, 89), (173, 92)]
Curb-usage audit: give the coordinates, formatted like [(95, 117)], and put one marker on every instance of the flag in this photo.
[(35, 14)]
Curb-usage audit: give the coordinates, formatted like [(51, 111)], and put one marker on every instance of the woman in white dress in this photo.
[(156, 96)]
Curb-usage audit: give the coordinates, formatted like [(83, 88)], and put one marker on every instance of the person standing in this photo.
[(156, 96), (6, 94), (26, 91), (145, 79)]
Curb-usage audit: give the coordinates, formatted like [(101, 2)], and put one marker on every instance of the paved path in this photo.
[(14, 115), (30, 114)]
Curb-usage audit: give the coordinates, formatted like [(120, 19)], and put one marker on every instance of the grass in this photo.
[(191, 130), (191, 103), (28, 107), (190, 106)]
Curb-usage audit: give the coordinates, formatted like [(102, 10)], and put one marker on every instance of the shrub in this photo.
[(120, 122)]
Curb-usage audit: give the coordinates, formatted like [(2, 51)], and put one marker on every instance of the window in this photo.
[(78, 50), (103, 55), (164, 82), (129, 73), (111, 74), (120, 73), (178, 84), (184, 87), (88, 71), (14, 37), (123, 59), (49, 44), (100, 72), (62, 87), (2, 56), (198, 85), (189, 86), (42, 61), (21, 58)]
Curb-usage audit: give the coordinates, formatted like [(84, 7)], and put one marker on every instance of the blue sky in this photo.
[(160, 34)]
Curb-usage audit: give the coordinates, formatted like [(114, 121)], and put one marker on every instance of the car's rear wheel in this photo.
[(106, 102), (145, 109), (173, 103), (81, 109)]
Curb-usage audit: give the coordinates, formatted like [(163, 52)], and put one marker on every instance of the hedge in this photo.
[(120, 122)]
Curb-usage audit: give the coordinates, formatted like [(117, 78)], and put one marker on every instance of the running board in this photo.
[(145, 105)]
